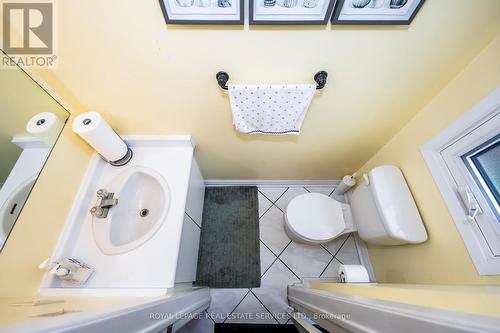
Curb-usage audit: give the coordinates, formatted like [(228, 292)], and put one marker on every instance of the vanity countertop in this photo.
[(148, 270), (96, 314)]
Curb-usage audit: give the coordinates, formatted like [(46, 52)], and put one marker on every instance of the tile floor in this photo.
[(283, 262)]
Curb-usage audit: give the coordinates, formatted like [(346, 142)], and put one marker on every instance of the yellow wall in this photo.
[(477, 300), (38, 227), (20, 99), (443, 258), (119, 57)]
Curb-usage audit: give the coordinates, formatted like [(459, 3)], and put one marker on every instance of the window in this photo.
[(483, 163), (464, 161)]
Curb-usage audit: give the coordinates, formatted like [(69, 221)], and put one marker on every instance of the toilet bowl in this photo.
[(314, 218), (381, 210)]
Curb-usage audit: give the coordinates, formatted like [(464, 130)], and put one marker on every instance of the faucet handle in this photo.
[(95, 211), (102, 193)]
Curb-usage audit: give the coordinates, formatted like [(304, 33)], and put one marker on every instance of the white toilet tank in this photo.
[(384, 210)]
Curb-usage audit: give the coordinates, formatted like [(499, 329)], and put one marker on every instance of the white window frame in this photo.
[(486, 263)]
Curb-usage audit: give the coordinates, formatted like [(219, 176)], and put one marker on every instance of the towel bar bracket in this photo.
[(222, 78), (319, 77)]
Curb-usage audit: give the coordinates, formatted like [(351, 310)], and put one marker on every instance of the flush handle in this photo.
[(367, 179), (471, 205)]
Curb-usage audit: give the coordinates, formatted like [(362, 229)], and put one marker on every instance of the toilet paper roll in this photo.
[(353, 274), (344, 186), (45, 126), (96, 131)]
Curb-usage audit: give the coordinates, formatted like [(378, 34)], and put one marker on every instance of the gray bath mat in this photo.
[(229, 246)]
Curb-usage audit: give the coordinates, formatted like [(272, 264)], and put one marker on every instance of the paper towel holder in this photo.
[(125, 159), (122, 161), (94, 129)]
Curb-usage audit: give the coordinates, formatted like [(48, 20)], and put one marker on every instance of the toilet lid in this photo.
[(315, 216)]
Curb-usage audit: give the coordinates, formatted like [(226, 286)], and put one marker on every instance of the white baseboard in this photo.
[(360, 244), (269, 183), (364, 258)]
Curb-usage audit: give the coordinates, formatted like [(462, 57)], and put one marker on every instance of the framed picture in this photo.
[(376, 11), (286, 12), (203, 11)]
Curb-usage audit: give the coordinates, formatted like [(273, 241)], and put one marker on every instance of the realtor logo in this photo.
[(28, 33), (33, 23)]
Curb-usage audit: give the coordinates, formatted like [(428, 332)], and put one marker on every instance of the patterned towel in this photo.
[(270, 109)]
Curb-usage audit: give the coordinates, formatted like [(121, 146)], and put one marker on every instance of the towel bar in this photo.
[(319, 77)]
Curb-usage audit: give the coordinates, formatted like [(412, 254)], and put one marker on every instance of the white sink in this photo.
[(143, 203), (12, 207), (162, 177)]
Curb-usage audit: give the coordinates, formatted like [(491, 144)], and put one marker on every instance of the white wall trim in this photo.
[(364, 257), (25, 142), (269, 183), (151, 316), (485, 262), (372, 315), (360, 244), (158, 140)]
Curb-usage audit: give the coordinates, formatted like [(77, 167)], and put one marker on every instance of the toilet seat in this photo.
[(315, 218)]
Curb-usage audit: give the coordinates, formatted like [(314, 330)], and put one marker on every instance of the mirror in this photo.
[(30, 123)]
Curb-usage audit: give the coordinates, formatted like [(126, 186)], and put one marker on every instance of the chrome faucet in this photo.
[(106, 201)]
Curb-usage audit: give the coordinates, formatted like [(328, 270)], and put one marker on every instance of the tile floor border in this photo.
[(335, 250)]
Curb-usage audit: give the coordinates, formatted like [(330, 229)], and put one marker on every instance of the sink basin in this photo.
[(12, 207), (143, 203)]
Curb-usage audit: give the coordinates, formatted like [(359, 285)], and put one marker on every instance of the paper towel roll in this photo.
[(96, 131), (346, 183), (353, 274), (45, 126)]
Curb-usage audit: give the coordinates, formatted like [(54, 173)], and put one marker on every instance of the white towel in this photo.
[(270, 109)]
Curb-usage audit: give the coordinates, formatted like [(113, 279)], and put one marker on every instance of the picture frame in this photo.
[(376, 12), (212, 12), (290, 12)]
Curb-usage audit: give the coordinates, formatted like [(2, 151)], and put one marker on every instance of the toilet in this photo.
[(381, 210)]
